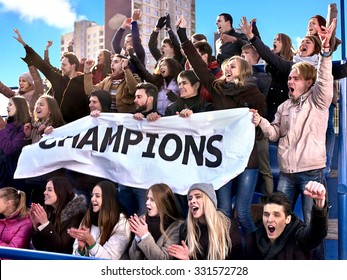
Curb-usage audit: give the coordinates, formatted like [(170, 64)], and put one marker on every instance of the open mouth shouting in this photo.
[(271, 229), (95, 207)]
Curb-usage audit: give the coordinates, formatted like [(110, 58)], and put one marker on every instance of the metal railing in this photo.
[(342, 174), (27, 254)]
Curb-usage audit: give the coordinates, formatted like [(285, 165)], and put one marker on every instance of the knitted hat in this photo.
[(208, 189), (27, 76), (105, 99)]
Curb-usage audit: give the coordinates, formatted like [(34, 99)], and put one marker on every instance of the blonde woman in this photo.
[(15, 226), (208, 234)]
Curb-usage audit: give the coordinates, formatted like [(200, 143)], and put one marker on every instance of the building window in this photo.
[(148, 20), (148, 1), (148, 10)]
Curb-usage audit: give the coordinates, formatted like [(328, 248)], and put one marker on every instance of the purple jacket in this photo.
[(15, 232), (11, 138)]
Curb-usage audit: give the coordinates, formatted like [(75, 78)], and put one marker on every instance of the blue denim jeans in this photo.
[(293, 184), (330, 138), (132, 199), (244, 185)]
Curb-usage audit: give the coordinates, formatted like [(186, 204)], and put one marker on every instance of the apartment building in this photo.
[(90, 37)]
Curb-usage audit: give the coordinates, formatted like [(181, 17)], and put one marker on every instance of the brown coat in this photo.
[(125, 90), (228, 95)]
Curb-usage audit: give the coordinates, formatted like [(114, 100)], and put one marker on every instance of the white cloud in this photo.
[(56, 13)]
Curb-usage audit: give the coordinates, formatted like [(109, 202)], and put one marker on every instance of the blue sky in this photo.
[(39, 21)]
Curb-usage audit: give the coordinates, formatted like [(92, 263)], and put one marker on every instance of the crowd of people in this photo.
[(290, 97)]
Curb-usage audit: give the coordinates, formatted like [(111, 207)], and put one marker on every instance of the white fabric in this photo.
[(114, 247), (229, 139), (313, 59)]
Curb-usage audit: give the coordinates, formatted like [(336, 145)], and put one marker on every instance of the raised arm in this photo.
[(117, 38), (199, 66), (317, 229), (37, 81), (323, 87), (6, 91), (50, 72), (264, 51), (46, 52), (138, 48), (174, 40), (153, 39), (140, 68), (88, 77), (317, 192)]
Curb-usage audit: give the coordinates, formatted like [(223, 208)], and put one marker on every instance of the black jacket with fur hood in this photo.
[(49, 239)]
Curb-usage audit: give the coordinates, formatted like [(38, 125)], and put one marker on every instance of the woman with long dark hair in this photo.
[(62, 210), (104, 231)]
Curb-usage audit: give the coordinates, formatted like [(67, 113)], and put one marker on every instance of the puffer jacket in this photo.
[(15, 231), (300, 126)]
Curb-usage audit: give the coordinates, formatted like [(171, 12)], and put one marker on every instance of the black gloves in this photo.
[(161, 22), (168, 22)]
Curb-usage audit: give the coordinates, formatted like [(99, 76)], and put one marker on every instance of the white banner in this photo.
[(211, 147)]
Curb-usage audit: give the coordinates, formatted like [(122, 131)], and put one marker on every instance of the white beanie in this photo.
[(27, 76)]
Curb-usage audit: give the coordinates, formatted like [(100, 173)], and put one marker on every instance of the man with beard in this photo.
[(145, 102), (134, 199), (121, 84)]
